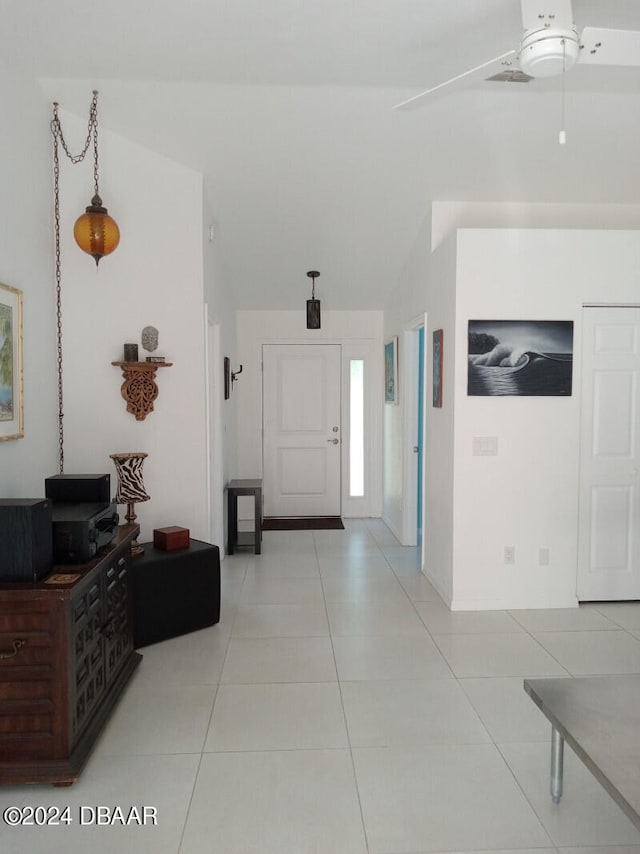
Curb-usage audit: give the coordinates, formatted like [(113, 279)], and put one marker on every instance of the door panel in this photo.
[(609, 535), (302, 433), (611, 511), (302, 471), (614, 416)]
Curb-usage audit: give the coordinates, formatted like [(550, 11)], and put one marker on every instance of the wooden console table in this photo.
[(599, 717), (66, 655)]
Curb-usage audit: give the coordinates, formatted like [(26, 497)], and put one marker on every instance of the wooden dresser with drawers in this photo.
[(66, 655)]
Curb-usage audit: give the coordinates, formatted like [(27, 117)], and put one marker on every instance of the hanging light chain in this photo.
[(59, 140), (95, 146), (562, 136), (56, 213), (92, 130)]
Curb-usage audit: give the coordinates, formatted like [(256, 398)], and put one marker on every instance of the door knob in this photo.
[(334, 441)]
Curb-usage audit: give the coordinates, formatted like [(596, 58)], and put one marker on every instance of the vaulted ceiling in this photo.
[(285, 107)]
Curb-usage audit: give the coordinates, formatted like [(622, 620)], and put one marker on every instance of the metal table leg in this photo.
[(232, 521), (257, 503), (557, 759)]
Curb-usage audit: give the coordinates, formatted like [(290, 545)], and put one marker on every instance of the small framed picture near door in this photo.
[(437, 367), (391, 371), (11, 375)]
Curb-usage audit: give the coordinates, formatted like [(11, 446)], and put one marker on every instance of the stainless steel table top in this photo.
[(599, 717)]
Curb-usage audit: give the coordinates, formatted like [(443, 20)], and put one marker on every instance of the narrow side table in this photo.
[(252, 538)]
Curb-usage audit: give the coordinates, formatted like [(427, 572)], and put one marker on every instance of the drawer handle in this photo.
[(17, 646)]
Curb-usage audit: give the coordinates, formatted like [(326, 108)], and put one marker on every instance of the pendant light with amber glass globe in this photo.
[(95, 231)]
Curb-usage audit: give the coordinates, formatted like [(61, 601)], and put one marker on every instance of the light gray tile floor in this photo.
[(340, 708)]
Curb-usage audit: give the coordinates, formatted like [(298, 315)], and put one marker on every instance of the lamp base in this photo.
[(130, 516), (136, 549)]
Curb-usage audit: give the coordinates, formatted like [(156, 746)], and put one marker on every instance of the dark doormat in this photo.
[(302, 523)]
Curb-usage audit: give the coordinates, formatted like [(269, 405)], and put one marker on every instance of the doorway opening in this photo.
[(414, 391), (420, 435), (302, 429)]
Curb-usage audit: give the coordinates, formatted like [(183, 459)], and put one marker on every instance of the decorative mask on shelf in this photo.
[(149, 337)]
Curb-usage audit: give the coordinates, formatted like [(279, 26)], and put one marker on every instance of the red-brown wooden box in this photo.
[(170, 539)]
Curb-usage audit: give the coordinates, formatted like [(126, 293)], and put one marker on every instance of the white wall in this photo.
[(155, 277), (255, 328), (26, 263), (439, 521), (527, 496), (446, 216), (568, 254), (407, 302), (221, 342)]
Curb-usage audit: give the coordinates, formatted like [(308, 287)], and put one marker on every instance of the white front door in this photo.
[(609, 528), (302, 429)]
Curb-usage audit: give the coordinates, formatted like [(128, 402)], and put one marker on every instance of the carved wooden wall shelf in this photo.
[(139, 388)]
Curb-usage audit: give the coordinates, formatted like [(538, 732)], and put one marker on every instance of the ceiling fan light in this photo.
[(95, 232), (547, 54)]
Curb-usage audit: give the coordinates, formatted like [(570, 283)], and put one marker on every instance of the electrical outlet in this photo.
[(509, 554)]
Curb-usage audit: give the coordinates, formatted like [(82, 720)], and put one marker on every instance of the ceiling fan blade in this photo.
[(417, 100), (610, 47), (539, 13)]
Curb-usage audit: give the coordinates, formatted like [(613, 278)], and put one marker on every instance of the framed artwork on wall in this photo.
[(391, 371), (438, 336), (11, 372), (520, 358)]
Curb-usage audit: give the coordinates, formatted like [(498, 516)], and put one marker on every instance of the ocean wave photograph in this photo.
[(520, 357)]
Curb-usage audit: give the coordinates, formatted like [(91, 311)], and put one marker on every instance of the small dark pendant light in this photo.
[(313, 304)]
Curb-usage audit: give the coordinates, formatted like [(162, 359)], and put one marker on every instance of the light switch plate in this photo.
[(485, 446)]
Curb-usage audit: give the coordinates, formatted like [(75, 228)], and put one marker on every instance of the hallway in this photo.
[(340, 708)]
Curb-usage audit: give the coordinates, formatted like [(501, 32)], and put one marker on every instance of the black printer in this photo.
[(84, 517), (79, 530)]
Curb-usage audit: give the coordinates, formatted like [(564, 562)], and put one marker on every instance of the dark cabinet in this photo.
[(175, 592), (66, 655)]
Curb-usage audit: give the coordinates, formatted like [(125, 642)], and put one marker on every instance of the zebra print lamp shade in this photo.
[(130, 483), (130, 487)]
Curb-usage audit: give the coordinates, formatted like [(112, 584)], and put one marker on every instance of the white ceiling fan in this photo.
[(550, 45)]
